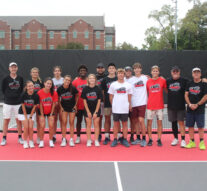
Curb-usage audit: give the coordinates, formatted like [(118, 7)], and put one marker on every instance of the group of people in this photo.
[(119, 94)]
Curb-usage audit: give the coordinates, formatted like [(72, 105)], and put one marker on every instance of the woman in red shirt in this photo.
[(48, 98)]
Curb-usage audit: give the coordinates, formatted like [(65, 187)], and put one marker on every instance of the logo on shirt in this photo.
[(194, 90), (139, 84), (37, 87), (91, 96), (80, 87), (155, 88), (14, 85), (29, 103), (66, 96), (174, 87), (121, 90), (47, 101)]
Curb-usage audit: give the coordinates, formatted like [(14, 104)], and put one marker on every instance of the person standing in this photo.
[(79, 83), (196, 97), (12, 87), (176, 86)]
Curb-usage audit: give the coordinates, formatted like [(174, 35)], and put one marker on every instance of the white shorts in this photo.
[(22, 118), (102, 108), (10, 110), (152, 113)]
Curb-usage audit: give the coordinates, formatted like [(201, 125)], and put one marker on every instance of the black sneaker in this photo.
[(99, 138), (114, 143), (150, 142), (125, 143), (132, 138), (106, 141), (159, 143), (54, 140)]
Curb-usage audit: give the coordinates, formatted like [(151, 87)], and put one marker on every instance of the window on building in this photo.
[(51, 47), (98, 47), (51, 34), (98, 34), (39, 34), (86, 34), (109, 41), (2, 47), (2, 34), (63, 34), (109, 38), (27, 47), (39, 47), (17, 47), (27, 34), (16, 34), (74, 34), (85, 47)]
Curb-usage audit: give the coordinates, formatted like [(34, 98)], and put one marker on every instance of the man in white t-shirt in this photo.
[(120, 93), (139, 102)]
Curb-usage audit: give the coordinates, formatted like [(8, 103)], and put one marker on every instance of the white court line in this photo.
[(118, 178)]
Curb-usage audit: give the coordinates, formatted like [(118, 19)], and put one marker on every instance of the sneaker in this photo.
[(99, 138), (114, 143), (38, 140), (3, 142), (174, 142), (71, 142), (54, 140), (106, 141), (125, 143), (159, 143), (88, 143), (31, 144), (120, 139), (183, 144), (132, 138), (78, 140), (21, 141), (25, 145), (64, 142), (136, 142), (51, 143), (97, 144), (150, 142), (143, 143), (190, 145), (41, 145), (202, 145)]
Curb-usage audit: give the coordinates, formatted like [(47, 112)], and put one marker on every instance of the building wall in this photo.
[(5, 43)]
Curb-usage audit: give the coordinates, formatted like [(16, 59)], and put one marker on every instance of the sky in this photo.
[(130, 17)]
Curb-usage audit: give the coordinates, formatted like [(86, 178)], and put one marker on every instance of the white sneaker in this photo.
[(174, 142), (20, 140), (64, 142), (183, 144), (97, 144), (51, 143), (41, 145), (71, 142), (88, 143), (25, 145), (78, 140), (38, 140), (3, 142), (31, 144)]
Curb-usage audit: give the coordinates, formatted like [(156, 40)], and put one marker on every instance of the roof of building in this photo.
[(54, 22), (110, 30)]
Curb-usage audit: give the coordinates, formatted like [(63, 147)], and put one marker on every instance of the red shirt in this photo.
[(155, 93), (79, 85), (47, 100)]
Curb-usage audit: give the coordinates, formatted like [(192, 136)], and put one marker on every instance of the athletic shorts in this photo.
[(69, 110), (138, 111), (192, 118), (107, 111), (176, 115), (152, 113), (10, 110), (21, 117), (120, 117), (46, 115), (98, 115)]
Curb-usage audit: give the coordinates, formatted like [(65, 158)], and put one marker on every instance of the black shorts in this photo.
[(98, 114), (46, 115), (176, 115), (69, 110), (120, 117)]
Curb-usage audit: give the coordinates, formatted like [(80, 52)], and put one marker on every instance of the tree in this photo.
[(126, 46), (71, 45)]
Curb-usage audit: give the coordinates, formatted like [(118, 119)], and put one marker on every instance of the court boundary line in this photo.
[(118, 177)]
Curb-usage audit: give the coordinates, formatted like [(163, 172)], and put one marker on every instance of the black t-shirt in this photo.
[(91, 95), (105, 84), (100, 79), (37, 85), (176, 93), (29, 101), (196, 93), (12, 90), (67, 97)]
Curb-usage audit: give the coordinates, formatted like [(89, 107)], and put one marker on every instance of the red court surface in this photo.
[(14, 151)]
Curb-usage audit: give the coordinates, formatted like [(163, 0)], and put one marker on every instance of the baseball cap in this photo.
[(128, 68), (196, 69), (12, 64), (175, 68), (100, 65)]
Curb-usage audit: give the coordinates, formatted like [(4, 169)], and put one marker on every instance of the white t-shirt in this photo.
[(139, 96), (120, 104), (57, 83)]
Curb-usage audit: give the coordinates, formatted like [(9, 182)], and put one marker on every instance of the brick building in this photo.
[(47, 32)]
